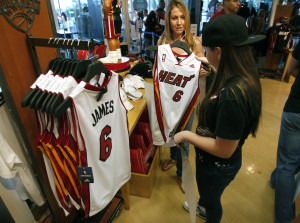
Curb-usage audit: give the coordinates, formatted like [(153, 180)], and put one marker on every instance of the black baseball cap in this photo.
[(228, 30)]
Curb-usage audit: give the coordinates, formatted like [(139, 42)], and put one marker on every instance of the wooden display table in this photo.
[(133, 117)]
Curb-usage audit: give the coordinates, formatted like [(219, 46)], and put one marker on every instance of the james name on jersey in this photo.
[(102, 110)]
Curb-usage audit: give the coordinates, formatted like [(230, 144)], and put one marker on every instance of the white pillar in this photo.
[(273, 11)]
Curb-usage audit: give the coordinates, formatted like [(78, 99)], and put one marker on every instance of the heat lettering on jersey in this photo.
[(102, 110), (174, 79), (283, 33)]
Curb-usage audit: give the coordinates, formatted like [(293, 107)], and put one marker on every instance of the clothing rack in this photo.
[(73, 44), (62, 43), (276, 52)]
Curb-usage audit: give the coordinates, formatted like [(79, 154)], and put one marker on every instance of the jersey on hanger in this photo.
[(102, 137), (176, 90)]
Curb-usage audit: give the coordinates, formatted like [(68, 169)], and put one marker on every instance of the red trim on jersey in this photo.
[(157, 105), (85, 189), (95, 88), (188, 113)]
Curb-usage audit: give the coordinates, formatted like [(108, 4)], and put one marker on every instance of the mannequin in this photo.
[(113, 23)]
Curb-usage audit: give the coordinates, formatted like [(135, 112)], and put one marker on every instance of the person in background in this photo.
[(149, 29), (145, 15), (178, 28), (219, 7), (64, 21), (211, 8), (261, 22), (288, 151), (162, 5), (230, 111), (244, 11), (159, 24), (252, 21), (230, 7)]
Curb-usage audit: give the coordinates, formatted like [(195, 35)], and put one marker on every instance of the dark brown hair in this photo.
[(236, 62)]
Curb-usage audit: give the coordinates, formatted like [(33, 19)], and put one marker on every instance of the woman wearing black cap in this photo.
[(230, 111)]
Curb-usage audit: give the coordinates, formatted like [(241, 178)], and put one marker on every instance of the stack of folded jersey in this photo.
[(131, 84)]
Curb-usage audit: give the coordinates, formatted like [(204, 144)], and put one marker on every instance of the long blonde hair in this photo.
[(168, 34)]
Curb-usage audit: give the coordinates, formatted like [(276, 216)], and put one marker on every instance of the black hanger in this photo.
[(182, 45), (72, 68), (41, 101), (55, 64), (81, 68), (62, 108), (63, 67), (59, 65), (68, 68), (56, 99), (34, 98), (46, 105), (51, 63), (28, 97), (94, 69)]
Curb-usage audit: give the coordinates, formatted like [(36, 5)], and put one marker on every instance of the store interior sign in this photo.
[(20, 13)]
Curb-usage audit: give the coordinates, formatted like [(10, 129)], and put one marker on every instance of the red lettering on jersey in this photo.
[(187, 79), (105, 143), (177, 80), (162, 75), (170, 78)]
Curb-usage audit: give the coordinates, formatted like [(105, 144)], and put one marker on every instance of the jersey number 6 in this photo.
[(105, 143), (177, 96)]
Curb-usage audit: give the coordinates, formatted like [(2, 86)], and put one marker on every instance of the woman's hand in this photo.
[(204, 72), (210, 67), (179, 138)]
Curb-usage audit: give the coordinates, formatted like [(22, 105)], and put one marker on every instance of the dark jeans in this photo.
[(212, 179), (288, 164)]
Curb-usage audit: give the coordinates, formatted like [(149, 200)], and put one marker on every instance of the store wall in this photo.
[(17, 65), (19, 71)]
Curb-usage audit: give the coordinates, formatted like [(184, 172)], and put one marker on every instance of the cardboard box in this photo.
[(142, 185)]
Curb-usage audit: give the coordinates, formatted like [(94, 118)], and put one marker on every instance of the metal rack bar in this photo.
[(61, 43)]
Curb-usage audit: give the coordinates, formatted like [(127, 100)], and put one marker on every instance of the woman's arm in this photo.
[(198, 48), (222, 148), (199, 52)]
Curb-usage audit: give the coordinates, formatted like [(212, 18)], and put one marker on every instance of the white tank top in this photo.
[(176, 90)]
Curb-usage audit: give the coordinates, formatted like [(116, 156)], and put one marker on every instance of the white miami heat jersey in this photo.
[(102, 141), (176, 90)]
